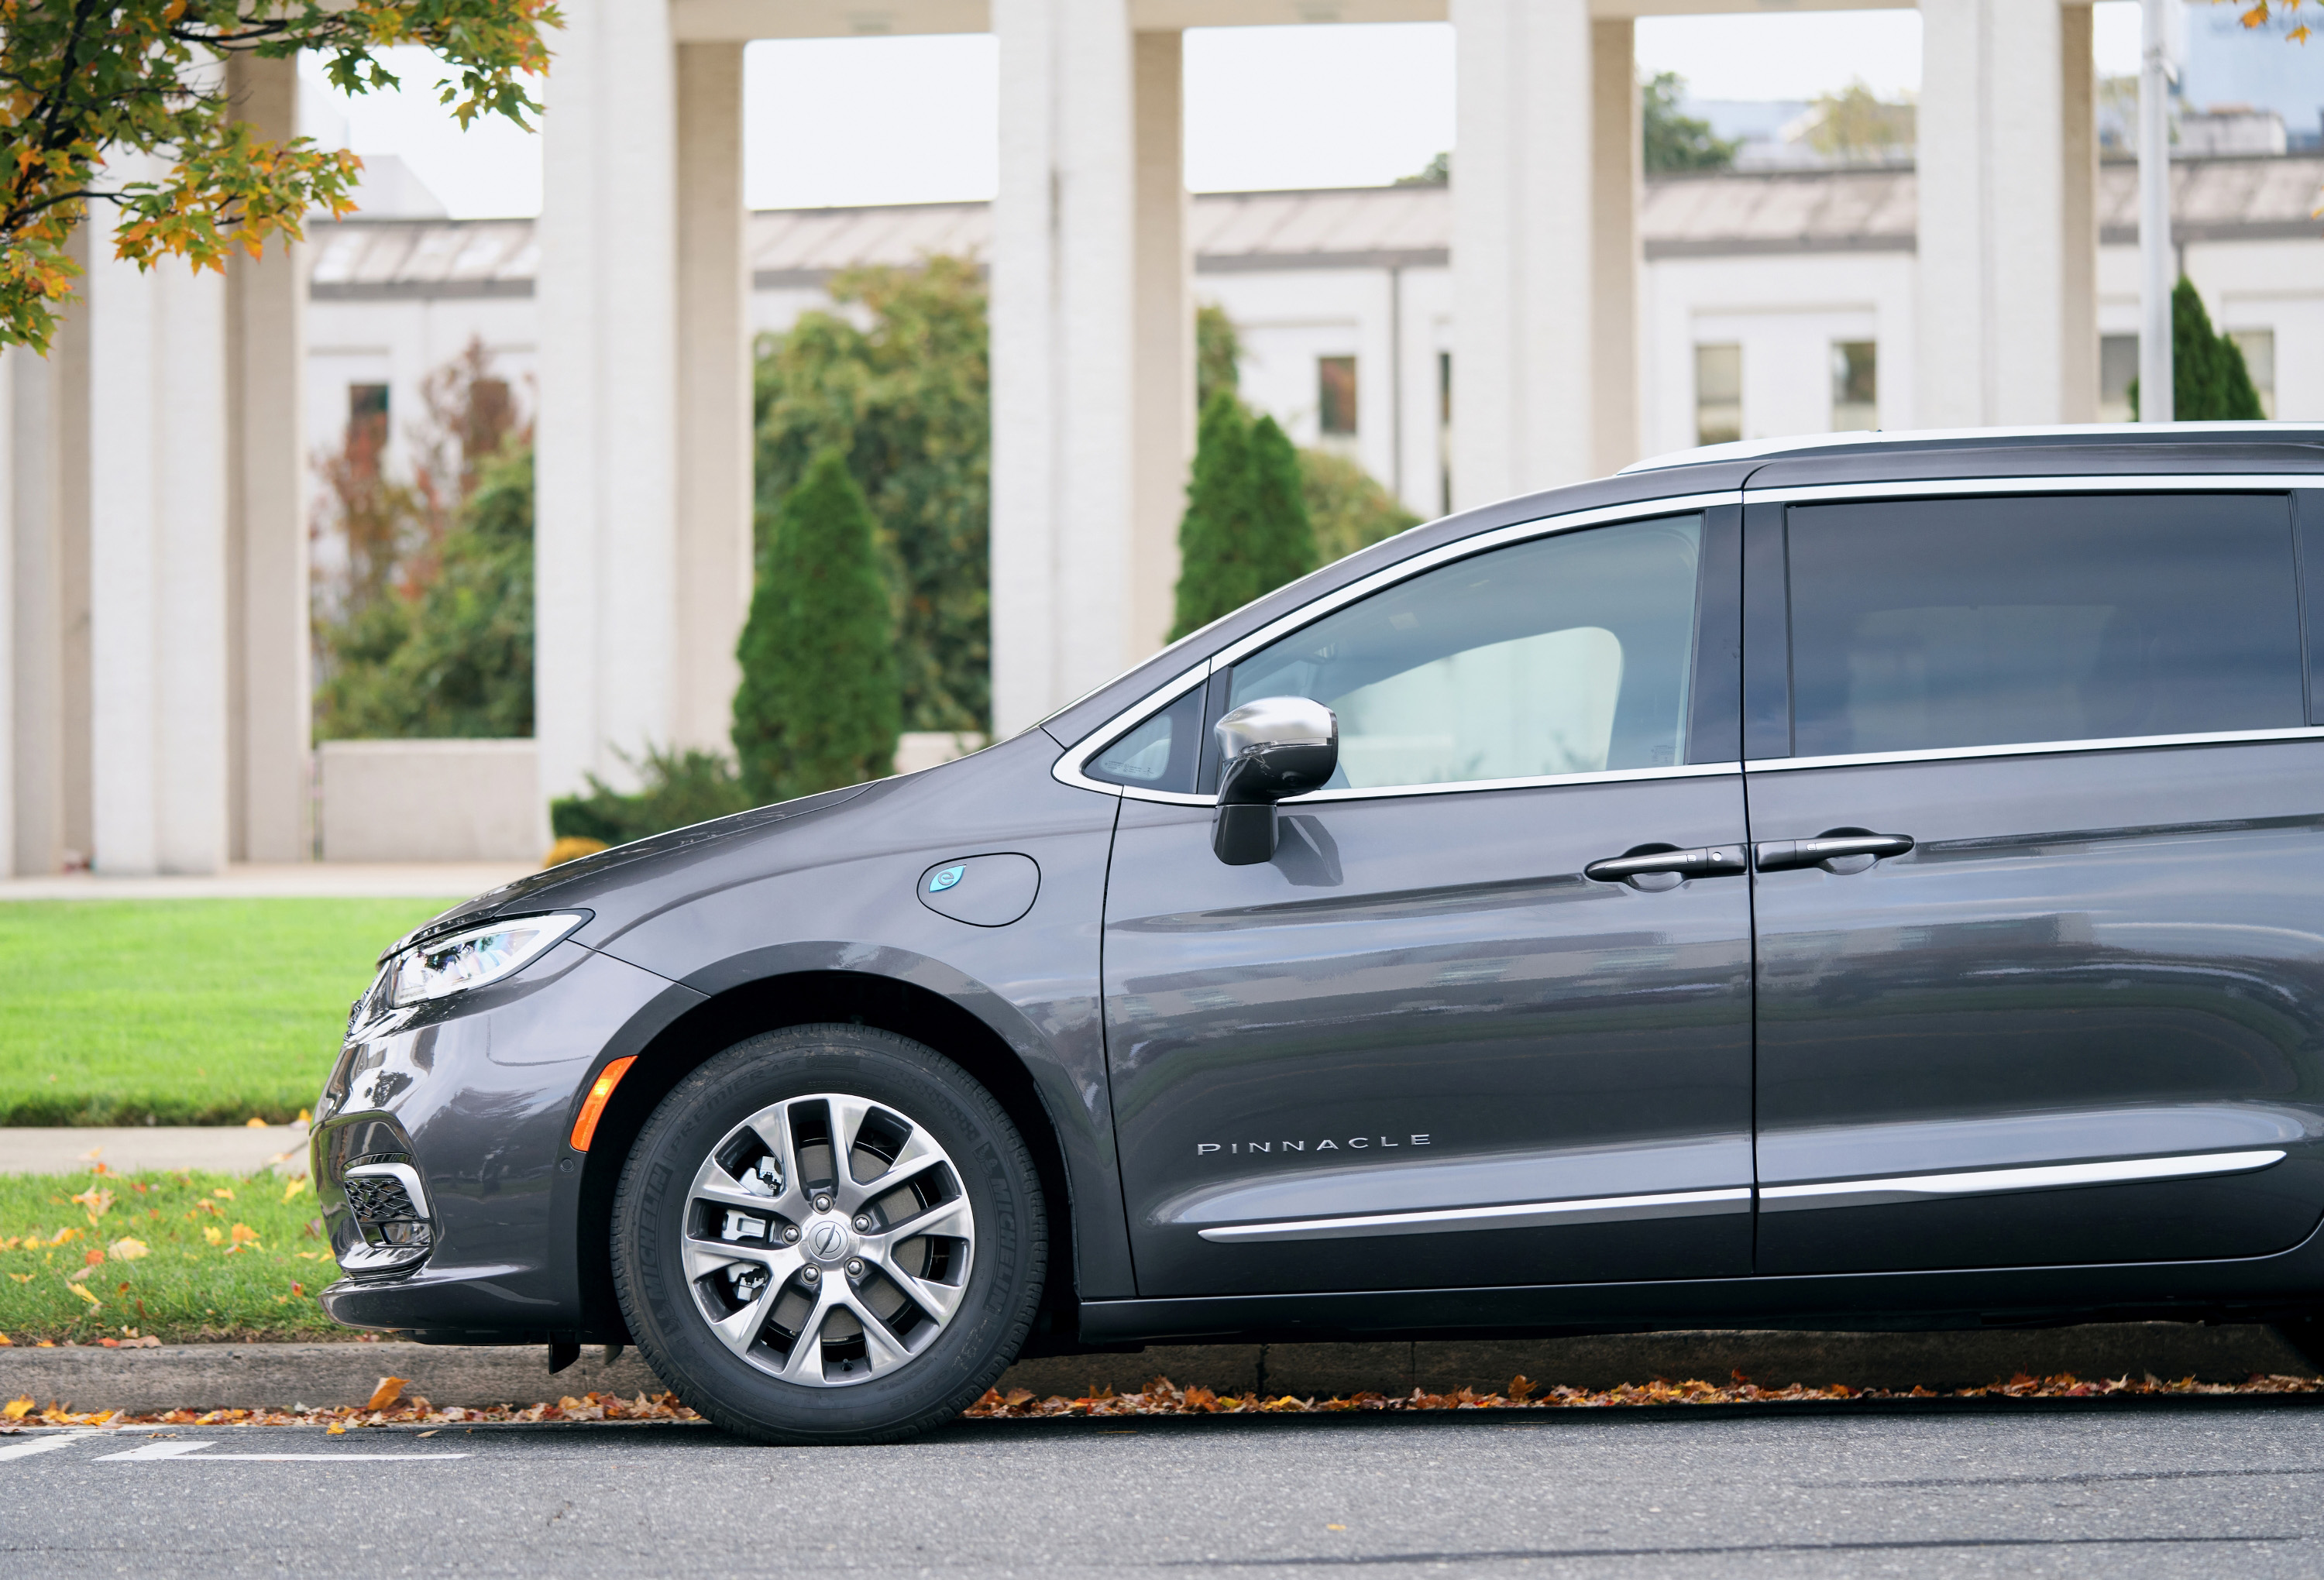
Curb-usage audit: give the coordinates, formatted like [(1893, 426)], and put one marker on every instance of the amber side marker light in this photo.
[(593, 1105)]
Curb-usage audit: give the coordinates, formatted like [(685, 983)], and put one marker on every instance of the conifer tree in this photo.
[(1283, 540), (819, 706), (2209, 381), (1245, 531), (1217, 518)]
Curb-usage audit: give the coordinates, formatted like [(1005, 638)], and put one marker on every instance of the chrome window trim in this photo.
[(1447, 553), (1521, 1214), (2032, 748), (1992, 1182), (1540, 781), (2102, 482), (1068, 767)]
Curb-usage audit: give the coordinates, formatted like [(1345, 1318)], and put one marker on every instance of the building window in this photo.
[(1855, 385), (366, 435), (1335, 395), (2258, 346), (2117, 371), (1717, 394)]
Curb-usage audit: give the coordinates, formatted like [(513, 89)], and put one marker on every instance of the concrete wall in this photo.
[(431, 801)]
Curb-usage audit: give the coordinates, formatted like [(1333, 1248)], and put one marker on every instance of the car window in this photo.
[(1564, 654), (1925, 624), (1157, 753)]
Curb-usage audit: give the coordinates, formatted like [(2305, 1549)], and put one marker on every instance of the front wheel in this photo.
[(829, 1235)]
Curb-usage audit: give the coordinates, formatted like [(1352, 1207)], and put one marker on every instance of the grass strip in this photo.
[(178, 1256), (181, 1012)]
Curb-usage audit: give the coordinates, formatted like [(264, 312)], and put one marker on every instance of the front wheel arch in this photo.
[(805, 998)]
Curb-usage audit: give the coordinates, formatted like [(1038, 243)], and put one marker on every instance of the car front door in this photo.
[(2040, 842), (1420, 1048)]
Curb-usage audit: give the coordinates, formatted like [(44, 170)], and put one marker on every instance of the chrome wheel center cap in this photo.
[(828, 1241)]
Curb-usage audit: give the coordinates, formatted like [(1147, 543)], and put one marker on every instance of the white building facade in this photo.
[(1798, 285), (1600, 318)]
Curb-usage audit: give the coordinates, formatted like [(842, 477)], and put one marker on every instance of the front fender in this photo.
[(849, 902)]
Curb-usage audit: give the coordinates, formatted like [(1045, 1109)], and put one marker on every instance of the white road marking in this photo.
[(160, 1448), (184, 1448), (32, 1445)]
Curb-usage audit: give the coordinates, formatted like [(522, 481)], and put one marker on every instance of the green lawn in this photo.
[(181, 1012), (178, 1256)]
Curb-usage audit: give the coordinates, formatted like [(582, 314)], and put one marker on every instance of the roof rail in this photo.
[(1801, 444)]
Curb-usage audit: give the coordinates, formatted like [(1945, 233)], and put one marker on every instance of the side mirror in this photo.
[(1274, 748)]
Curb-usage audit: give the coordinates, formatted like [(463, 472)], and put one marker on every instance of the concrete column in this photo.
[(1163, 397), (714, 394), (1064, 354), (2077, 209), (1618, 179), (1993, 277), (31, 799), (69, 542), (1525, 415), (605, 532), (158, 542), (269, 704)]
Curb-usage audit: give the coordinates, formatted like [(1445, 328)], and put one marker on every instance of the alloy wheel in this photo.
[(827, 1239)]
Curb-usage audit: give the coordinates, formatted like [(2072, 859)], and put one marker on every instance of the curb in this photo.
[(253, 1376), (1772, 1359)]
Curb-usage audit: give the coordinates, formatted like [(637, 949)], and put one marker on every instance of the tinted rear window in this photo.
[(1932, 623)]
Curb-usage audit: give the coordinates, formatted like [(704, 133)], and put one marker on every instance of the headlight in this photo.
[(470, 959)]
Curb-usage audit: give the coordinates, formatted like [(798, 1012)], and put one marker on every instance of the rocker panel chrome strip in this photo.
[(1522, 1215), (1607, 1210), (1994, 1182)]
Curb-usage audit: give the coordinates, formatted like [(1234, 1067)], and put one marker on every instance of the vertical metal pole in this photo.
[(2154, 253)]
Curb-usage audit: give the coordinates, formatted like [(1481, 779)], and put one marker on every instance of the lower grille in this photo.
[(380, 1199), (390, 1208)]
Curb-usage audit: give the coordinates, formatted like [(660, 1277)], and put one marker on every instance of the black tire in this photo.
[(1000, 1293)]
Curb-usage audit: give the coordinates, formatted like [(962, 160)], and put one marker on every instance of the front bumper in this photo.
[(440, 1149)]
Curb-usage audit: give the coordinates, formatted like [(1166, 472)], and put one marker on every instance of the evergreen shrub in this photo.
[(1246, 531), (896, 377), (2209, 382), (676, 789), (819, 705), (1347, 505)]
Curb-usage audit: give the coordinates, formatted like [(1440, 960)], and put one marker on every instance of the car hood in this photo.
[(574, 885)]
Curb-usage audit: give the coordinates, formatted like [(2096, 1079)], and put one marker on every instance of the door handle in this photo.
[(1705, 862), (1835, 850)]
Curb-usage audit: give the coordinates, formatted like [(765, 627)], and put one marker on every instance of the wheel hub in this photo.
[(828, 1241)]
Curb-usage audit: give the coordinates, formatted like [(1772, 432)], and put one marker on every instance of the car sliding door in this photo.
[(2040, 847)]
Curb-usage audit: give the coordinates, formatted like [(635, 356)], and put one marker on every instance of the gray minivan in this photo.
[(1865, 882)]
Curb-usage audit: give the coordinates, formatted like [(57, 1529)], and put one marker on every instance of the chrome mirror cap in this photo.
[(1277, 721), (1274, 748)]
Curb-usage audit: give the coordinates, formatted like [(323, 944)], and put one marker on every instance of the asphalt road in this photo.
[(2006, 1491)]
